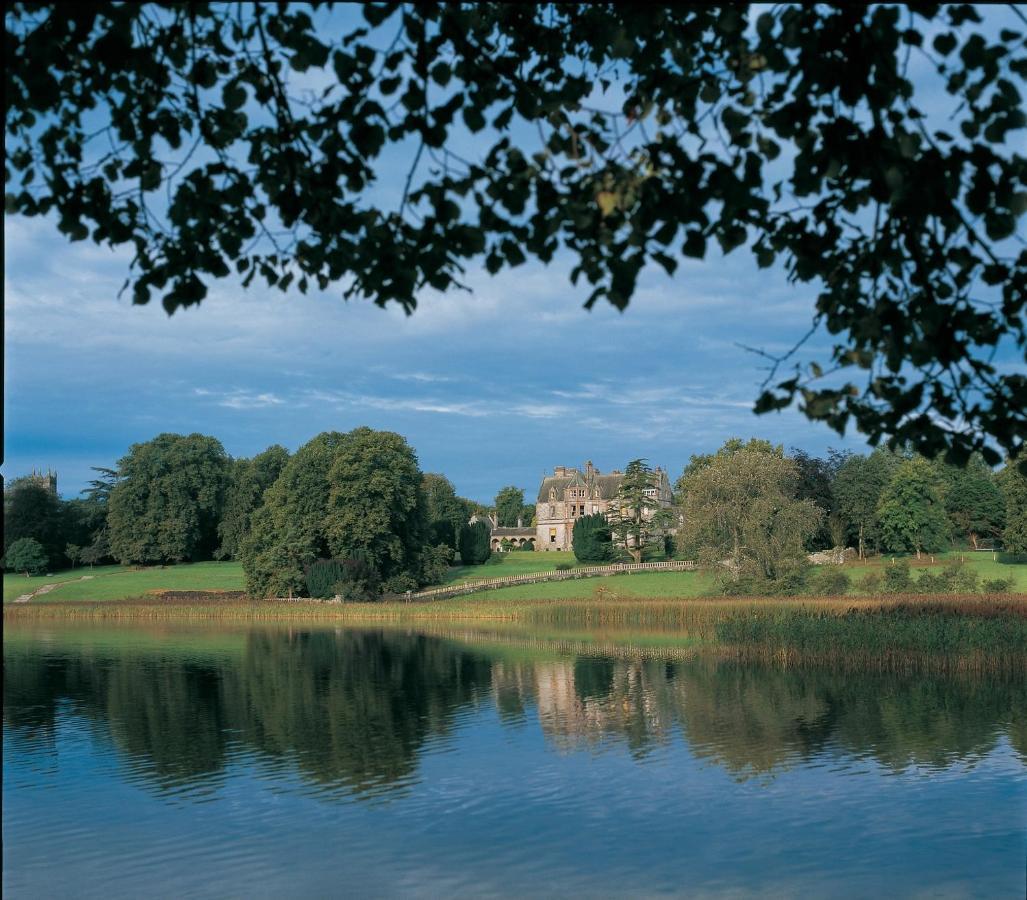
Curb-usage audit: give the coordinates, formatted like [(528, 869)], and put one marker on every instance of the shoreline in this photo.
[(235, 605), (968, 632)]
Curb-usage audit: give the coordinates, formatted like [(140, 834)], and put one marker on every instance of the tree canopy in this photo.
[(354, 495), (249, 139), (857, 488), (26, 555), (635, 518), (248, 480), (445, 512), (741, 505), (1014, 484), (912, 509), (32, 511), (510, 507), (167, 501)]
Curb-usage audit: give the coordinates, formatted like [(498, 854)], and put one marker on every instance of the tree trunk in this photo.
[(862, 553)]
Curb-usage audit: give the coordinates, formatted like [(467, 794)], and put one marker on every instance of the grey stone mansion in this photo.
[(567, 495)]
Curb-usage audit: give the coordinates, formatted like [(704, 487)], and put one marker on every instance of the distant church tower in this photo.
[(48, 481)]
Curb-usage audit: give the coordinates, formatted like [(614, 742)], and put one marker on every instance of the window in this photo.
[(552, 535)]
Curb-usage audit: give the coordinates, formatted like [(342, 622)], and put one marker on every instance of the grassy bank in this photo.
[(107, 583), (119, 583)]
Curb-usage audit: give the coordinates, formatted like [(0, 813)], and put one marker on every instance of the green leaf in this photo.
[(473, 118), (441, 73), (945, 43), (695, 244), (233, 95)]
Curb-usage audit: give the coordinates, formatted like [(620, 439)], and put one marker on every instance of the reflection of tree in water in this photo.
[(356, 708), (353, 708)]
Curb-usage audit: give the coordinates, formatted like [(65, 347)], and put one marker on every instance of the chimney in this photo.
[(588, 469), (559, 471)]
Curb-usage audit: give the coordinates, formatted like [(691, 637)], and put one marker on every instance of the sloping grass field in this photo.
[(108, 583), (122, 582)]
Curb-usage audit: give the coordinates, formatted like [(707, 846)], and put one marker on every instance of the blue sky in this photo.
[(490, 388)]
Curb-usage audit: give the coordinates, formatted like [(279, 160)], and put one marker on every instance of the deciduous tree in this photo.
[(510, 507), (340, 496), (912, 509), (740, 505), (32, 511), (857, 489), (26, 555), (445, 512), (248, 479), (1014, 486), (167, 502), (974, 501)]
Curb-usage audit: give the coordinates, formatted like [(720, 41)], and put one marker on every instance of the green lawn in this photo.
[(120, 582), (644, 584), (503, 565), (673, 584)]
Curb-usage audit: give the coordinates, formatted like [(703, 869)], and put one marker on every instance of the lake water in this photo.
[(288, 763)]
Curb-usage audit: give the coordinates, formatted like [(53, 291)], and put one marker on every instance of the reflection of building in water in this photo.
[(585, 701)]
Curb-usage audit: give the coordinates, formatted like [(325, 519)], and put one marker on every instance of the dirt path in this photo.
[(46, 588)]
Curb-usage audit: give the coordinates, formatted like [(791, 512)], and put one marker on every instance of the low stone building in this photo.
[(568, 494)]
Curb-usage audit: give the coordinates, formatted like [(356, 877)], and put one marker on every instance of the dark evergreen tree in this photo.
[(592, 540), (815, 476), (475, 544)]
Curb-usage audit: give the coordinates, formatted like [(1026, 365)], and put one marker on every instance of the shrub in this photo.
[(475, 547), (26, 555), (564, 567), (998, 585), (962, 579), (871, 583), (399, 584), (434, 563), (954, 578), (528, 546), (747, 586), (897, 579), (322, 575), (591, 539), (933, 583), (791, 578), (830, 581), (350, 579), (669, 546)]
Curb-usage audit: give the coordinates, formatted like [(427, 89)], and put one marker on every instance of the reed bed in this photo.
[(970, 632)]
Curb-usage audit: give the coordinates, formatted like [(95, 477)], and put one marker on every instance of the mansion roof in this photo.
[(603, 487)]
